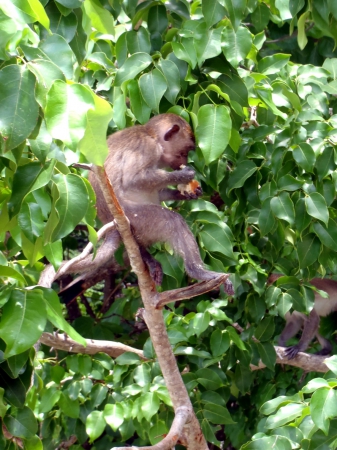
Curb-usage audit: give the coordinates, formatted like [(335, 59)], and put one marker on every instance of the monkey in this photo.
[(310, 324), (136, 166)]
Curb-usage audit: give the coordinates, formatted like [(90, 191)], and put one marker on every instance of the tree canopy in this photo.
[(257, 81)]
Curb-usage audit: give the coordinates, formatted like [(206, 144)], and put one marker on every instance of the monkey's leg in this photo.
[(93, 270), (153, 265), (309, 330), (326, 345), (153, 223), (294, 322)]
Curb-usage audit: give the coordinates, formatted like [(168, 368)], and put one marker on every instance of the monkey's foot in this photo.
[(291, 352), (228, 286), (156, 272), (324, 352)]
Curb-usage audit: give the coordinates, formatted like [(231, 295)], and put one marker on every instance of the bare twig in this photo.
[(64, 342), (190, 291)]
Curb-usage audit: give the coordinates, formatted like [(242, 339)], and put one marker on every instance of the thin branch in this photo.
[(305, 361), (182, 416), (190, 291), (64, 342)]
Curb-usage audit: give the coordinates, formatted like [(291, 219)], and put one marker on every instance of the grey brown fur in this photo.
[(136, 163), (296, 321)]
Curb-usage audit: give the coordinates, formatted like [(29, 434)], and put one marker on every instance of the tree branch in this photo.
[(153, 318), (64, 342), (190, 291)]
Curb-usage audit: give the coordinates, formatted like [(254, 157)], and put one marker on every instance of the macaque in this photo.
[(310, 324), (136, 163)]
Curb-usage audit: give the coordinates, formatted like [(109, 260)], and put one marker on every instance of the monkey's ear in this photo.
[(171, 132)]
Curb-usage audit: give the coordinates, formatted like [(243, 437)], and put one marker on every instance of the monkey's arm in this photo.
[(309, 330), (158, 179), (174, 194)]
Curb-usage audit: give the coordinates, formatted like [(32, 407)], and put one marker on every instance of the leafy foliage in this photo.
[(257, 80)]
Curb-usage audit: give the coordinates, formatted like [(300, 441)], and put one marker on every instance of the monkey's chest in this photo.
[(141, 197)]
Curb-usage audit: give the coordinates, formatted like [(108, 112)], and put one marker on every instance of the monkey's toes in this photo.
[(291, 352), (228, 286), (157, 274)]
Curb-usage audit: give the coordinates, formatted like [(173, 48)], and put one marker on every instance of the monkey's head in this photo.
[(175, 137)]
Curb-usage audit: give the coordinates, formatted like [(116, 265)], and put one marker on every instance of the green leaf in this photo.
[(201, 322), (57, 49), (66, 112), (266, 217), (219, 342), (325, 163), (93, 144), (244, 170), (209, 379), (235, 9), (152, 87), (70, 206), (55, 316), (23, 321), (327, 234), (138, 41), (236, 45), (19, 109), (265, 329), (46, 72), (212, 11), (149, 405), (285, 414), (157, 19), (186, 51), (49, 397), (95, 424), (283, 207), (217, 414), (215, 240), (138, 106), (316, 207), (33, 444), (28, 178), (213, 131), (135, 64), (100, 18), (21, 423), (142, 375), (270, 65), (70, 408), (267, 354), (172, 77), (157, 431), (54, 253), (308, 250), (207, 43), (323, 406), (9, 272), (242, 378), (302, 219), (301, 24)]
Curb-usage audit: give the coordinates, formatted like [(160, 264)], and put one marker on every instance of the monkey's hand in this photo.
[(291, 352), (192, 195), (184, 175)]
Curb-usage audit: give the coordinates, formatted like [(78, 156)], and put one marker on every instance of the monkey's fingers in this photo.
[(291, 352)]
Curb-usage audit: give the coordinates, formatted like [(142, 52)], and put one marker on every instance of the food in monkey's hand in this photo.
[(190, 188)]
